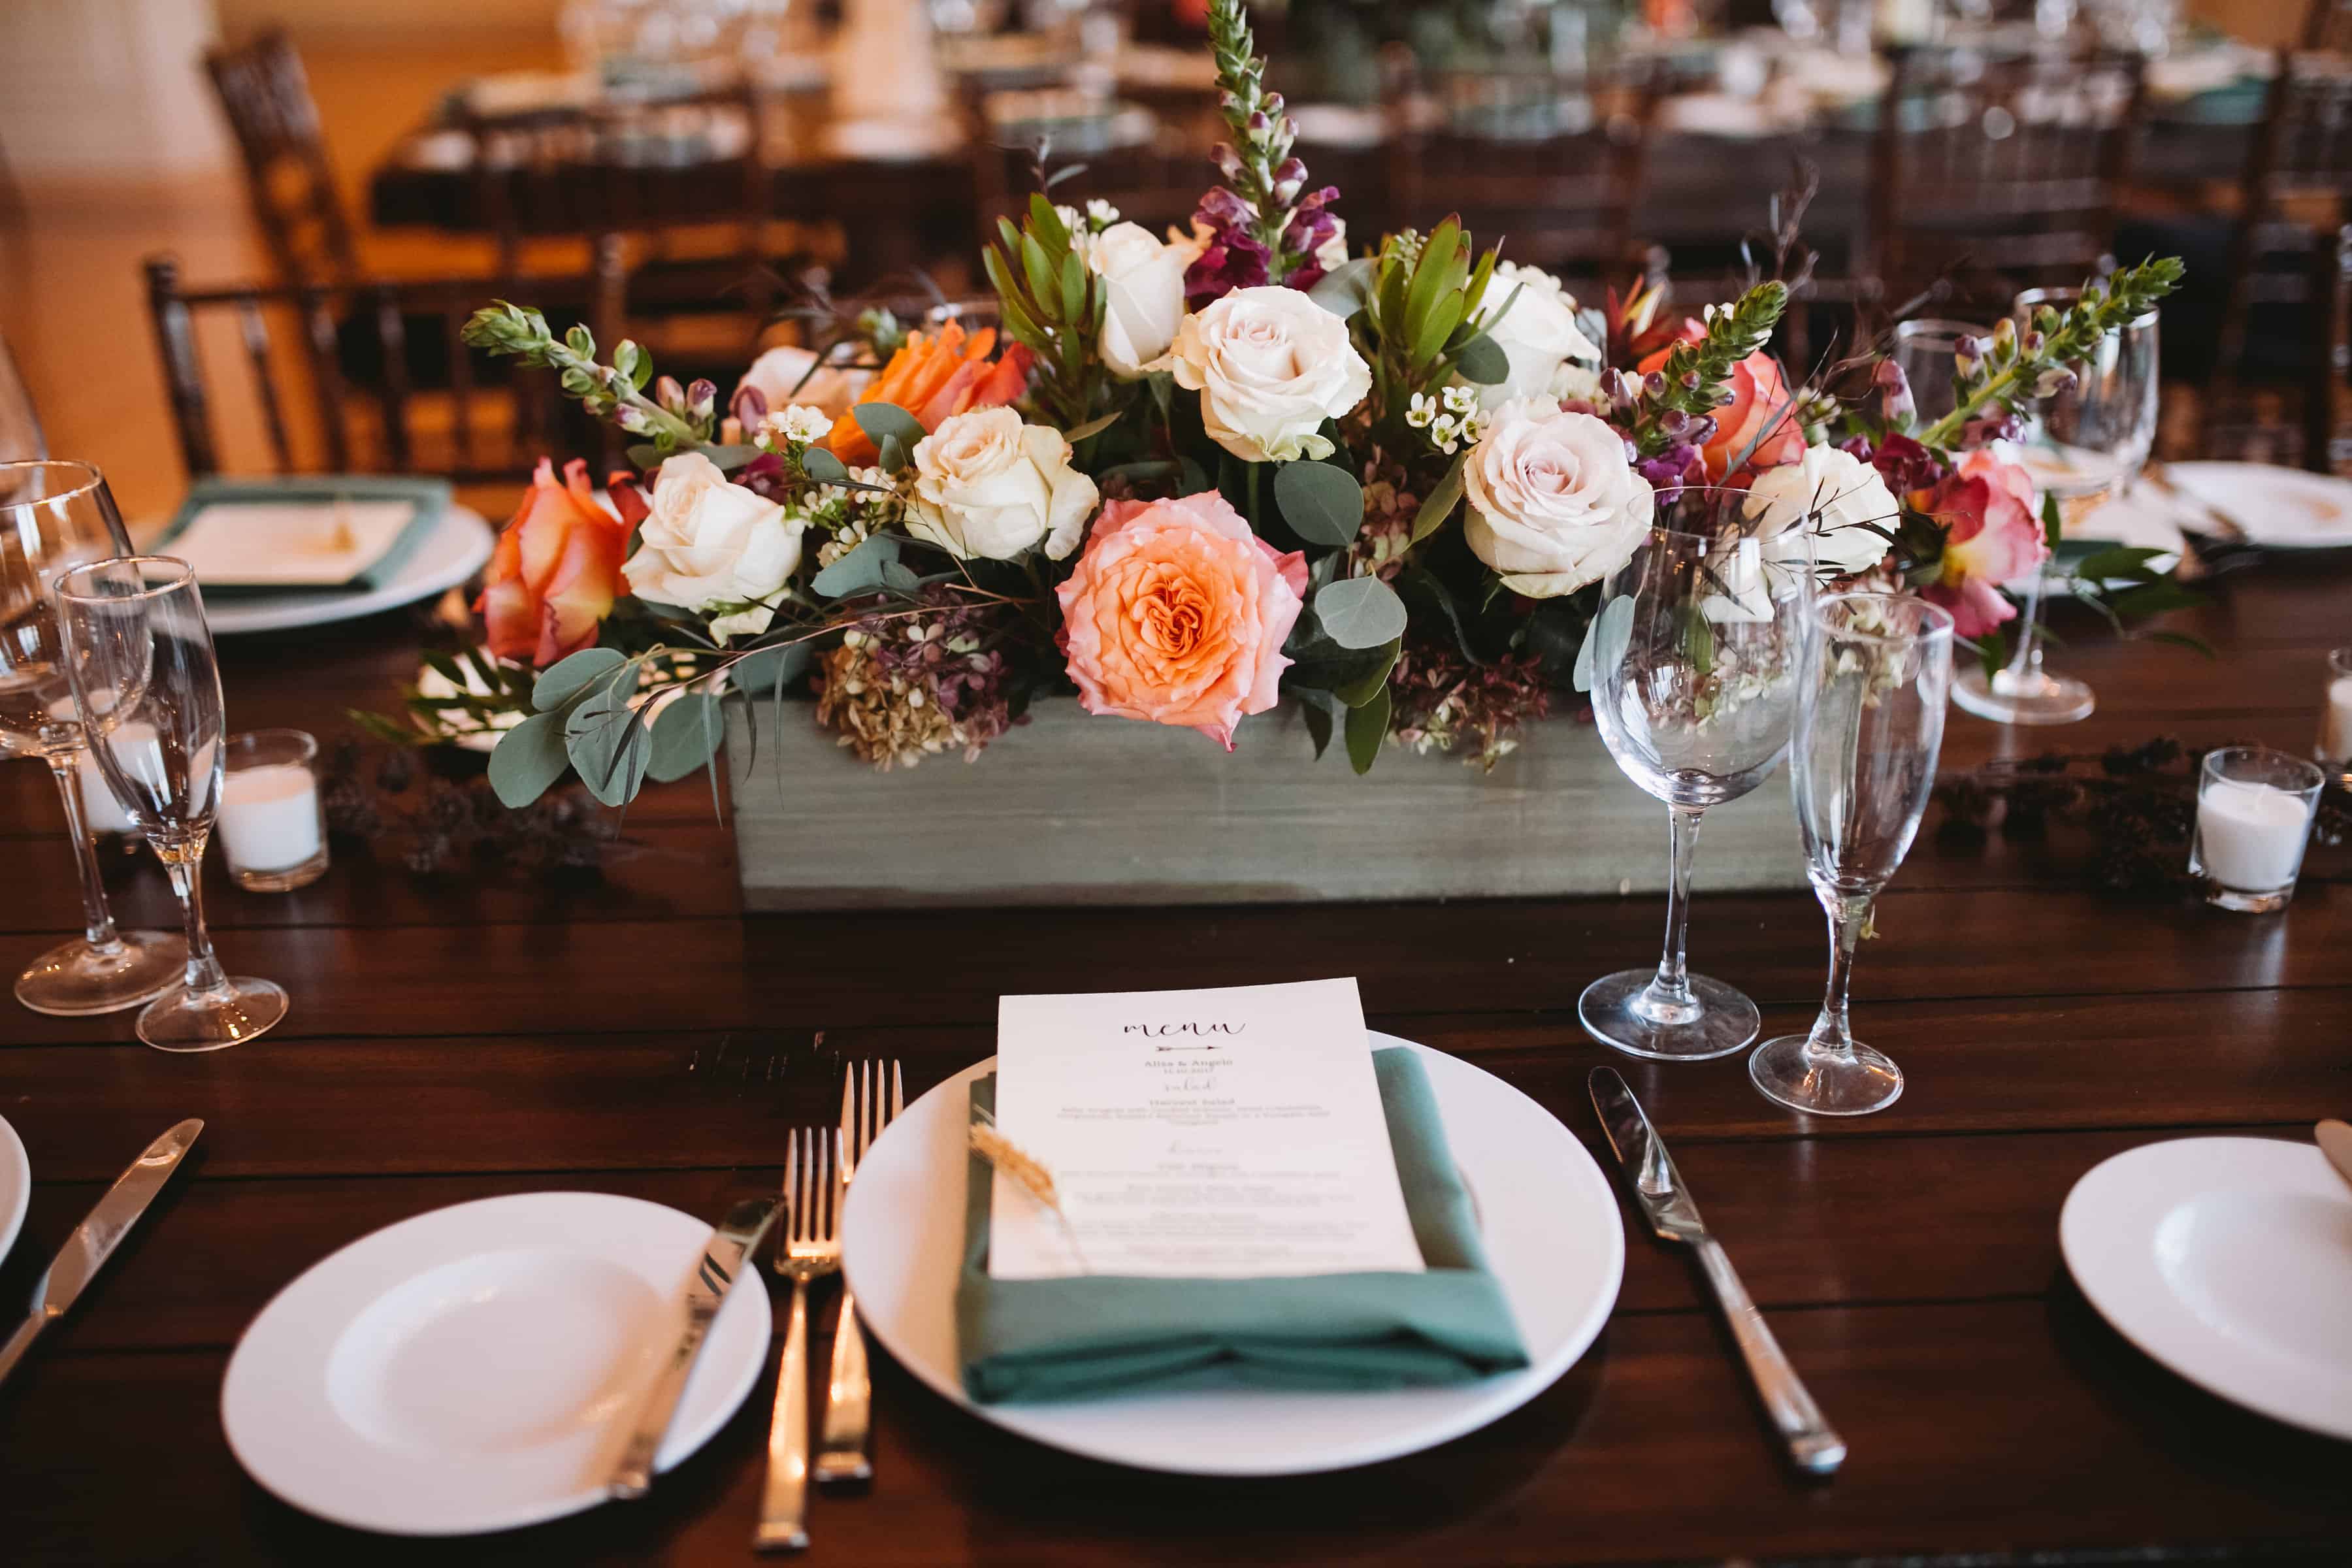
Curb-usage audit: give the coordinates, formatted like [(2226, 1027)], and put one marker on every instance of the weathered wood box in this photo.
[(1069, 809)]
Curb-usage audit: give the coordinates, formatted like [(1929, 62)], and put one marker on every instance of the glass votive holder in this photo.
[(2335, 748), (2255, 809), (272, 824)]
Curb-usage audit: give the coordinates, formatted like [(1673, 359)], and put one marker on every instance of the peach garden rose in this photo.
[(555, 572), (1177, 615)]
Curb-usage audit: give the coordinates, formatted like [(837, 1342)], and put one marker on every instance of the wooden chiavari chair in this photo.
[(1551, 165), (288, 178), (492, 420), (2005, 169)]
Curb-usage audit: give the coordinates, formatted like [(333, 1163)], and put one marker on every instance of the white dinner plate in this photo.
[(15, 1185), (475, 1368), (2280, 508), (461, 541), (2230, 1261), (1547, 1216)]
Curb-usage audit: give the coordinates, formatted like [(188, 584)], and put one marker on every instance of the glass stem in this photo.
[(97, 918), (1848, 916), (1669, 995), (184, 864), (2024, 667)]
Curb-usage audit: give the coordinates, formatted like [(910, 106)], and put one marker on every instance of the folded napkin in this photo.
[(429, 496), (1099, 1335)]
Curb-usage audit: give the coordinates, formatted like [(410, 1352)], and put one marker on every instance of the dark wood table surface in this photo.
[(455, 1039)]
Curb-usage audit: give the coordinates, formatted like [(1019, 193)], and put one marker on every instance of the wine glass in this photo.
[(1870, 720), (54, 516), (1926, 351), (140, 660), (2083, 443), (1695, 654)]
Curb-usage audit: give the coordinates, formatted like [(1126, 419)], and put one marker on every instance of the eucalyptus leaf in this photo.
[(685, 736), (1361, 612), (607, 745), (1606, 641), (1482, 360), (879, 420), (860, 571), (900, 577), (1368, 726), (1321, 501), (768, 671), (527, 760), (1345, 289), (893, 456), (566, 679), (730, 458), (644, 454), (823, 467)]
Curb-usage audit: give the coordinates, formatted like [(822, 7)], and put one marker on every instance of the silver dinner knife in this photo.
[(95, 1239), (1658, 1188), (737, 1237)]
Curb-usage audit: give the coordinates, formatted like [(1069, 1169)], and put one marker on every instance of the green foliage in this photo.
[(1421, 315), (685, 736), (1051, 302), (614, 392), (1261, 132), (1691, 380), (862, 571), (1359, 612), (1368, 726), (1321, 501)]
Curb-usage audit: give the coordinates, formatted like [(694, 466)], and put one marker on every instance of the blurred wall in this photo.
[(99, 91), (2265, 22), (393, 21)]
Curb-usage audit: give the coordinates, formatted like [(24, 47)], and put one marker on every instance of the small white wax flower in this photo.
[(1461, 399), (801, 422), (1101, 213), (1422, 410)]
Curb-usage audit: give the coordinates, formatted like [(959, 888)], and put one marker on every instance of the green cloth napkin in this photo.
[(430, 496), (1099, 1335)]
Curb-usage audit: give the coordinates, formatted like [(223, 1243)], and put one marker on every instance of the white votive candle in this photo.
[(2249, 836), (269, 818), (100, 811), (2336, 719)]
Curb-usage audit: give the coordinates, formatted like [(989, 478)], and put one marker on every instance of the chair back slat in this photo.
[(255, 331), (183, 379), (461, 380)]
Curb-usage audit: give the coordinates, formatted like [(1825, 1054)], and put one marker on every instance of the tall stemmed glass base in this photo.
[(103, 970), (1828, 1072), (2022, 692), (1669, 1013)]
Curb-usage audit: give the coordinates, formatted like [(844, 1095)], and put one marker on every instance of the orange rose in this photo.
[(555, 572), (931, 377), (1760, 396), (1177, 615)]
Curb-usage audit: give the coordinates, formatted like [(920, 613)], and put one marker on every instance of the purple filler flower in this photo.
[(1230, 261)]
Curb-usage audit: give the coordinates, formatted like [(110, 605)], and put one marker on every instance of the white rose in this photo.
[(1145, 282), (1553, 503), (986, 484), (1844, 497), (1538, 333), (778, 375), (708, 541), (1270, 366)]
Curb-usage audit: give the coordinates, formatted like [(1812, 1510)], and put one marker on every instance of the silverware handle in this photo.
[(20, 1341), (783, 1502), (633, 1473), (848, 1405), (1813, 1444)]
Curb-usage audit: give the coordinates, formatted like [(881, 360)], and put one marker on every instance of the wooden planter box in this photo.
[(1069, 809)]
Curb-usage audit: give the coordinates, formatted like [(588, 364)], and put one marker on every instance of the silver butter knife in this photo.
[(1658, 1188), (95, 1239), (737, 1237)]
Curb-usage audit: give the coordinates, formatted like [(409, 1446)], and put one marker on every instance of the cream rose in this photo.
[(1537, 334), (986, 484), (1553, 503), (707, 542), (1270, 366), (1844, 497), (778, 375), (1144, 280)]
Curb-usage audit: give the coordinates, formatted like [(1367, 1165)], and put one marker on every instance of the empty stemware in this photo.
[(140, 660), (1870, 721), (1695, 654), (53, 517)]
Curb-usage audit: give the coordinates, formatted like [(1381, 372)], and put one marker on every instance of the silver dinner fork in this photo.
[(865, 1110), (808, 1245)]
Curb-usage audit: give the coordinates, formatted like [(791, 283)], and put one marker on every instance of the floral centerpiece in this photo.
[(1188, 477)]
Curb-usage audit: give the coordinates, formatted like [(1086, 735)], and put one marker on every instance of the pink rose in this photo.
[(1992, 535), (1176, 613)]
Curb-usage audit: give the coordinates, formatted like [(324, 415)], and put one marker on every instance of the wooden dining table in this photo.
[(469, 1034)]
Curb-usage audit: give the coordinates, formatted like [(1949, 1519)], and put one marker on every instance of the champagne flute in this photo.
[(1695, 654), (140, 660), (1870, 721), (55, 516), (2083, 443)]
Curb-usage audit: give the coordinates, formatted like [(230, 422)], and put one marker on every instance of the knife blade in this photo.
[(1813, 1446), (99, 1233), (736, 1238)]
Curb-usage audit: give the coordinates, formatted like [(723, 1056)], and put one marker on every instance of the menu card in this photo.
[(1227, 1133)]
